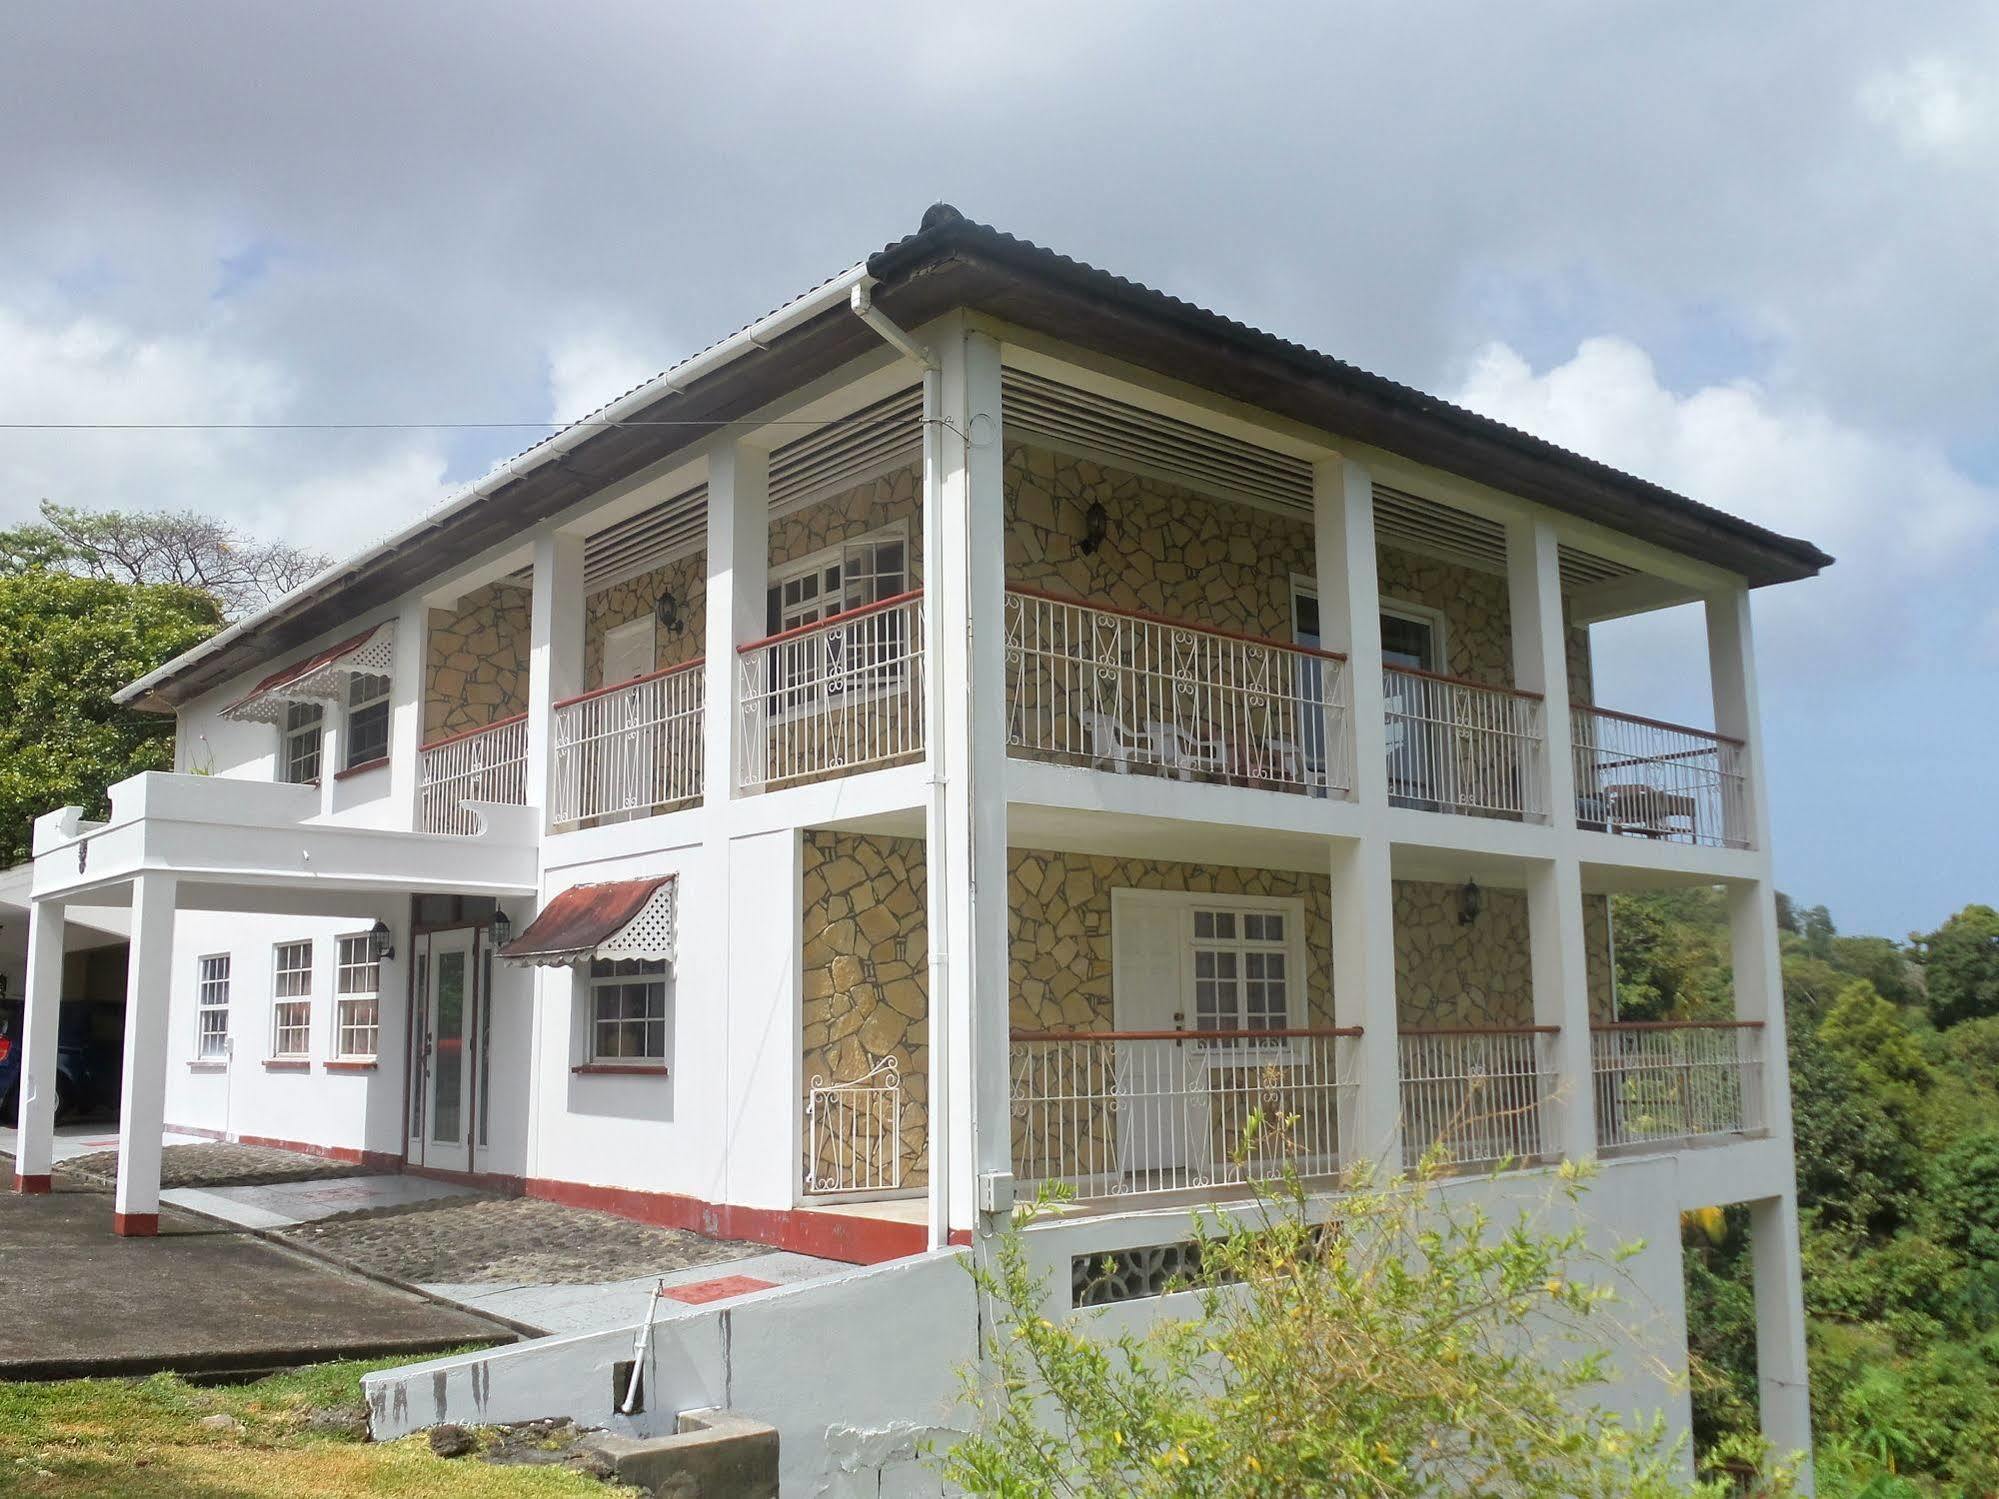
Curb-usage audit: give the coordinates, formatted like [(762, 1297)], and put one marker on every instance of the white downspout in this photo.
[(937, 908)]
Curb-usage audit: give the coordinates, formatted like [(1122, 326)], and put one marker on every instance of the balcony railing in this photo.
[(834, 697), (1475, 1096), (479, 765), (1676, 1080), (1123, 1113), (1658, 780), (631, 749), (1459, 746), (1128, 692)]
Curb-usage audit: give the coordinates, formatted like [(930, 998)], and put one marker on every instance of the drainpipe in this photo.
[(937, 908)]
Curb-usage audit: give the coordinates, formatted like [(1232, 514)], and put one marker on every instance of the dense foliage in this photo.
[(1414, 1347), (66, 644), (1895, 1094)]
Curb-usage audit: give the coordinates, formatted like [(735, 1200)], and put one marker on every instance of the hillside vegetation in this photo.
[(1894, 1052)]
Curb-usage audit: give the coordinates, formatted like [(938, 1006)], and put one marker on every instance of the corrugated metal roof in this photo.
[(573, 926)]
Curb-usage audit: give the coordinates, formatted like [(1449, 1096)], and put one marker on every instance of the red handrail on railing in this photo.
[(1450, 681), (1676, 1025), (1291, 1034), (610, 687), (832, 619), (1176, 624), (1656, 723), (1478, 1030), (484, 728)]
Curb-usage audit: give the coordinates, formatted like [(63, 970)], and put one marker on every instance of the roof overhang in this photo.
[(951, 263), (618, 919)]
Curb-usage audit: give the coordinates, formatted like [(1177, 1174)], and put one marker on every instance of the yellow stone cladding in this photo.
[(685, 579), (476, 661)]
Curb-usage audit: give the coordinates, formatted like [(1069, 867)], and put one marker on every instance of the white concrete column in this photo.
[(143, 1100), (969, 586), (1363, 892), (555, 655), (332, 748), (1540, 657), (1559, 964), (738, 570), (1731, 651), (1782, 1377), (37, 1084), (406, 709)]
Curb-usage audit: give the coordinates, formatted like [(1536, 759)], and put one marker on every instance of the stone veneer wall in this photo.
[(476, 661), (864, 950), (851, 514), (1182, 555), (686, 578)]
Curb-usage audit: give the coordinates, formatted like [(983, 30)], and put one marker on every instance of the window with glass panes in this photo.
[(299, 753), (628, 1011), (1242, 969), (291, 999), (367, 718), (868, 651), (212, 1008), (357, 998)]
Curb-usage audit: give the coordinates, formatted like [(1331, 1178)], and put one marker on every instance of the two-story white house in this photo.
[(984, 723)]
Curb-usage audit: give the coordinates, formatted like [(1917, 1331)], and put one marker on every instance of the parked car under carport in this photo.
[(90, 1054)]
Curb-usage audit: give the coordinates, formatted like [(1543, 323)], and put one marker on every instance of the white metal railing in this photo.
[(1658, 780), (853, 1133), (1459, 746), (1124, 691), (1676, 1080), (1127, 1112), (1475, 1096), (633, 748), (833, 697), (479, 765)]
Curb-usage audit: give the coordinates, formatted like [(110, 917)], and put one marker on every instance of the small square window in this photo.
[(628, 1011)]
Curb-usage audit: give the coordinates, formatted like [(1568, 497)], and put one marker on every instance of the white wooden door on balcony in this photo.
[(1161, 1084), (629, 653)]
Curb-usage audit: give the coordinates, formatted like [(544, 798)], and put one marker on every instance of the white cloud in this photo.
[(1934, 106), (587, 371), (1902, 521)]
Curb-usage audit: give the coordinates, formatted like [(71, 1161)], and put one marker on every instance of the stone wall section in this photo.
[(686, 579), (476, 661), (850, 515)]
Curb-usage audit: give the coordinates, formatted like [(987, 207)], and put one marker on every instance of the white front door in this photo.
[(441, 1096), (1164, 1138)]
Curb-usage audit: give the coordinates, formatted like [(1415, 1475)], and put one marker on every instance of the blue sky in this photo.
[(1742, 251)]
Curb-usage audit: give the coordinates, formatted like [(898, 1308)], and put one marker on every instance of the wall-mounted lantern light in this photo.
[(502, 929), (381, 941), (1096, 527), (1471, 900), (666, 609)]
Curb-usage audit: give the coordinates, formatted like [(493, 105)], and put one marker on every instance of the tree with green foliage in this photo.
[(66, 645), (1410, 1347), (1960, 962)]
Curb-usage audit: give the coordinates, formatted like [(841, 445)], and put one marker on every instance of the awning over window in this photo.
[(320, 678), (618, 919)]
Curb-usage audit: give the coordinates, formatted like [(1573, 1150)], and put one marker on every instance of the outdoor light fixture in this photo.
[(1470, 900), (666, 609), (381, 941), (502, 930), (1096, 526)]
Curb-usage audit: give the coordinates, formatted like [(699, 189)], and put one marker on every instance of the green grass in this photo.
[(140, 1438)]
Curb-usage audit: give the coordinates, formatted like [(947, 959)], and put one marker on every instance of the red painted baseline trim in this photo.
[(135, 1225)]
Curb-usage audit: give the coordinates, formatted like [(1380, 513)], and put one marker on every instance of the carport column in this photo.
[(555, 656), (143, 1102), (406, 705), (37, 1084), (1554, 889), (969, 587), (1363, 891), (738, 563)]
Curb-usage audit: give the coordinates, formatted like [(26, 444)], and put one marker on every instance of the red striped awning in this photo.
[(319, 678), (615, 919)]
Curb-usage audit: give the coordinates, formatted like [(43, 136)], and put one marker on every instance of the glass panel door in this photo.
[(446, 1049)]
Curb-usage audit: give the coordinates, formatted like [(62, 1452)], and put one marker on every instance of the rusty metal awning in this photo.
[(320, 678), (615, 919)]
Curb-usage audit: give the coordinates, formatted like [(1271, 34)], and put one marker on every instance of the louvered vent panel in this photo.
[(842, 454)]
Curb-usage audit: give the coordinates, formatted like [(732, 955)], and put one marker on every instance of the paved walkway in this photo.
[(199, 1298)]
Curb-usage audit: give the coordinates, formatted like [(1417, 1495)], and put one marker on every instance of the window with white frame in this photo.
[(357, 989), (870, 651), (628, 1011), (211, 1040), (367, 718), (298, 749), (1242, 968), (291, 999)]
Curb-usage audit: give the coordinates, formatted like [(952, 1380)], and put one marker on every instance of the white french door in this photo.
[(1162, 1090), (441, 1069)]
